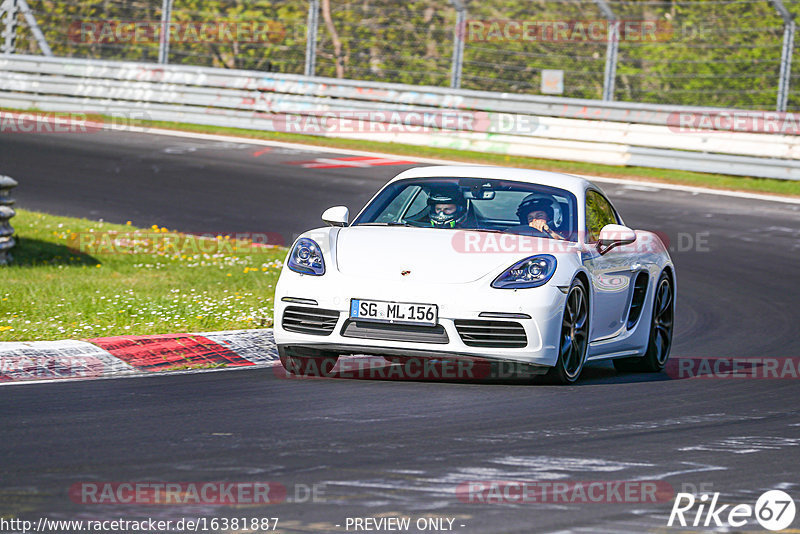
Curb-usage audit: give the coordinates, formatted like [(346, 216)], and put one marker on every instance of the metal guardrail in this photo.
[(359, 91), (6, 213), (558, 128)]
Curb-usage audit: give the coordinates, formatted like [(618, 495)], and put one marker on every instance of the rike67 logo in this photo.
[(774, 510)]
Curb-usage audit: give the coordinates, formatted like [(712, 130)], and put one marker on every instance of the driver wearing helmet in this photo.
[(540, 212), (447, 208)]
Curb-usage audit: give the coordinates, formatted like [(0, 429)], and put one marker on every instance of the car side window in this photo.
[(420, 203), (599, 213), (397, 206)]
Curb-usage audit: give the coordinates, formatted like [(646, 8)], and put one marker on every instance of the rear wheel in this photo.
[(574, 342), (308, 362), (661, 326)]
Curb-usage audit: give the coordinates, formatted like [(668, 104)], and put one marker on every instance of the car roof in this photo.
[(574, 184)]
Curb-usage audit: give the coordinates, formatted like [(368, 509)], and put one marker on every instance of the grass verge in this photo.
[(75, 278)]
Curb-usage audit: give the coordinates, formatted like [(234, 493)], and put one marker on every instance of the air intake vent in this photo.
[(395, 332), (497, 334), (637, 302), (314, 321)]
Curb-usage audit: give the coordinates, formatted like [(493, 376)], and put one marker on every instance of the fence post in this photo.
[(8, 26), (612, 49), (786, 55), (6, 212), (458, 43), (30, 19), (163, 42), (311, 38)]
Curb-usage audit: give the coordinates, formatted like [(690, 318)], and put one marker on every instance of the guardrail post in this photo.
[(163, 42), (311, 38), (6, 212), (8, 26), (786, 55), (458, 43), (612, 49)]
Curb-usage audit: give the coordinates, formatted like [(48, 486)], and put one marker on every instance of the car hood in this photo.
[(429, 255)]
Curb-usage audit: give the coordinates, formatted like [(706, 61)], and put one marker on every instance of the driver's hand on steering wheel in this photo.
[(542, 226), (539, 224)]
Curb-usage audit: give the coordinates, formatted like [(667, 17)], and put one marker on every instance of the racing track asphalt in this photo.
[(377, 447)]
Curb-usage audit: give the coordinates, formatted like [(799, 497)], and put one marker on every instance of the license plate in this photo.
[(394, 312)]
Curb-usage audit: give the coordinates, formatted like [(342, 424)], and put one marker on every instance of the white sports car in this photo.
[(475, 262)]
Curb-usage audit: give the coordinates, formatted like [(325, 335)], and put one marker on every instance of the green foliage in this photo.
[(717, 53), (75, 278)]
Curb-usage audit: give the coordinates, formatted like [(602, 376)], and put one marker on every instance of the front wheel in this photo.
[(574, 342), (661, 326)]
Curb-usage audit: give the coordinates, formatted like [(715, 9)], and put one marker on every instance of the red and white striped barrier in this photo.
[(135, 355)]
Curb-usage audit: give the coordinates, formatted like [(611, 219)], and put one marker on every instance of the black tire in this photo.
[(307, 362), (661, 326), (574, 343)]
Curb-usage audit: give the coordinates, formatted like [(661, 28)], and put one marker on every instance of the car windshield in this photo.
[(475, 204)]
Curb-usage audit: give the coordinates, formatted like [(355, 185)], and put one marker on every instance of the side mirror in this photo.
[(336, 216), (614, 235)]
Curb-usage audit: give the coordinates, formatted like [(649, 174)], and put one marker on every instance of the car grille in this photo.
[(394, 332), (313, 321), (498, 334)]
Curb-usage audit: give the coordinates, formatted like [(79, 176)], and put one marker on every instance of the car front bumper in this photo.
[(537, 310)]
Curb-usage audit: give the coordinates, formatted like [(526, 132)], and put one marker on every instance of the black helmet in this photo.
[(539, 202), (447, 195)]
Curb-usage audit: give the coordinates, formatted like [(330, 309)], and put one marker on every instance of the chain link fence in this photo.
[(726, 53)]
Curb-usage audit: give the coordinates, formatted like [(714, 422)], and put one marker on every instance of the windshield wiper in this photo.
[(492, 230), (392, 223)]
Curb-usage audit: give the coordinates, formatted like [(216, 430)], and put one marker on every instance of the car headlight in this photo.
[(530, 272), (306, 258)]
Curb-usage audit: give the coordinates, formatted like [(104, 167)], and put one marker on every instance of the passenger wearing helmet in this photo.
[(447, 208), (540, 212)]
